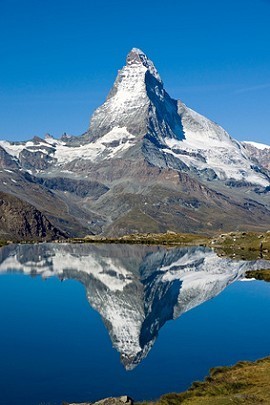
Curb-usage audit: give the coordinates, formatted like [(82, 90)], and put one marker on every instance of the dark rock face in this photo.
[(81, 188), (22, 221), (6, 161), (164, 119), (37, 160)]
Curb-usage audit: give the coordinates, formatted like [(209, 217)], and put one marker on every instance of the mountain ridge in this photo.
[(157, 164)]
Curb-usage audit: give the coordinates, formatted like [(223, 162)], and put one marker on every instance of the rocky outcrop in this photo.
[(6, 160), (258, 153), (124, 400), (80, 187)]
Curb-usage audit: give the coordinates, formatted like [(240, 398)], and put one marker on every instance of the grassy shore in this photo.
[(244, 383), (245, 245), (240, 245), (169, 238)]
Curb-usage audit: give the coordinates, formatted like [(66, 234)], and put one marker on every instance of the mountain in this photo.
[(20, 220), (135, 289), (147, 163), (258, 153)]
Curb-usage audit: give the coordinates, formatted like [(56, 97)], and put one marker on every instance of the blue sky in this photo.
[(60, 58)]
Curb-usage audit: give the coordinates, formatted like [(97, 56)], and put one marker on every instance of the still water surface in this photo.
[(82, 322)]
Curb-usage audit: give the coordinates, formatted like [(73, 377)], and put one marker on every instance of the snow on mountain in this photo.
[(127, 102), (257, 145), (138, 102), (138, 108), (134, 302), (258, 153), (14, 149), (206, 145), (110, 145)]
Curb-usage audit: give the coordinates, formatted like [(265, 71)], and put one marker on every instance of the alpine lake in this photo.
[(81, 322)]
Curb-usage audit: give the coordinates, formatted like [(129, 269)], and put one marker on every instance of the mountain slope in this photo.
[(258, 153), (20, 220)]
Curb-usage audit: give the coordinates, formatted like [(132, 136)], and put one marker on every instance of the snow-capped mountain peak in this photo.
[(138, 102), (127, 103)]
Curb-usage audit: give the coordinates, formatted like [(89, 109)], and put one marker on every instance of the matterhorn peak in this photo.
[(138, 103), (138, 109)]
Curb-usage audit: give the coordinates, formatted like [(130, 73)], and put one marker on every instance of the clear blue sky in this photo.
[(60, 58)]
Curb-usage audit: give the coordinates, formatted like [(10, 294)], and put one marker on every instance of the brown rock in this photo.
[(20, 220)]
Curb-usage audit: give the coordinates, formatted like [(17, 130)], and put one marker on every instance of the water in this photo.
[(56, 347)]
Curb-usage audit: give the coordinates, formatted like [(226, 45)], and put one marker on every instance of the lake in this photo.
[(83, 322)]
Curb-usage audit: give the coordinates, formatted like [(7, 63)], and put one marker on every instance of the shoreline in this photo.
[(236, 245), (245, 382)]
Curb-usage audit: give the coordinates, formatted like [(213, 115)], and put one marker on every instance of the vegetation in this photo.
[(243, 245), (169, 238), (259, 274), (238, 245), (245, 383)]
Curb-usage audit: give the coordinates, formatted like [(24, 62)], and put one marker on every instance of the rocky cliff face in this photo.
[(7, 161), (258, 153), (147, 163), (22, 221)]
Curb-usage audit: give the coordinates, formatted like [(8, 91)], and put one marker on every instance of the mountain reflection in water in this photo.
[(135, 289)]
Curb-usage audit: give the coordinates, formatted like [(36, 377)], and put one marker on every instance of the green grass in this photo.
[(169, 238), (238, 245), (243, 245), (243, 383)]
